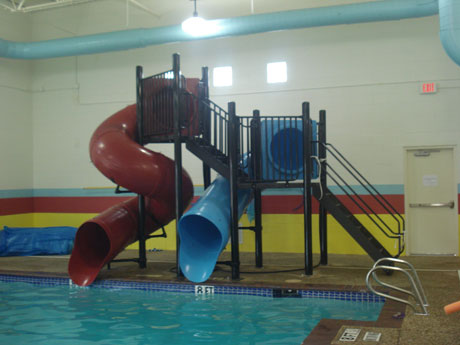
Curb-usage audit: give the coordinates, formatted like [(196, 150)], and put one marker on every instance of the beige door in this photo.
[(431, 201)]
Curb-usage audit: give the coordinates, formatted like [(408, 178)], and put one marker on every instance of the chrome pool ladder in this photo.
[(417, 290)]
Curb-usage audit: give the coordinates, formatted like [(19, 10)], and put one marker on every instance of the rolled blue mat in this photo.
[(37, 241)]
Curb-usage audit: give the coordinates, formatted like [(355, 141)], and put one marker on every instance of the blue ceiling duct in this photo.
[(449, 21), (296, 19)]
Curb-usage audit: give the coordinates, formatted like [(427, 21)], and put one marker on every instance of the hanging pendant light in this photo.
[(195, 25)]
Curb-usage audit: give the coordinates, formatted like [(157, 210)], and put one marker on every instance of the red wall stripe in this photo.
[(292, 204), (16, 206), (75, 204), (271, 204)]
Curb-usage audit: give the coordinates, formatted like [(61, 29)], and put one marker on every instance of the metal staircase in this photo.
[(349, 222), (211, 156), (211, 144), (360, 194)]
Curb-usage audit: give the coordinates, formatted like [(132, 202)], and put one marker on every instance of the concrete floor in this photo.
[(439, 277)]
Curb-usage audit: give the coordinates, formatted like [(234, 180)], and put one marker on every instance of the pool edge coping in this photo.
[(303, 289)]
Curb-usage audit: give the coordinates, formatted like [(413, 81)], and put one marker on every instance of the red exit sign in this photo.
[(428, 88)]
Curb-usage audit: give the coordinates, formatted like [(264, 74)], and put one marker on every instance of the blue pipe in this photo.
[(204, 229), (449, 23), (287, 20)]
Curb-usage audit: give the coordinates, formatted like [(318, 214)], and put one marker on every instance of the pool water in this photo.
[(64, 315)]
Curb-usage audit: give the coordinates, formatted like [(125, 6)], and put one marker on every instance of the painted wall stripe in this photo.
[(16, 193), (198, 190), (271, 204), (16, 206), (277, 204), (75, 204)]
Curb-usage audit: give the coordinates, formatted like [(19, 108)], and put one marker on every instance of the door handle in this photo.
[(449, 204)]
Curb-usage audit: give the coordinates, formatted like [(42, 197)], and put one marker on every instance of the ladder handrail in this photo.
[(419, 294), (412, 268)]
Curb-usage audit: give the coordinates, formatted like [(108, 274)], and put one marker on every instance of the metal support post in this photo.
[(205, 119), (233, 159), (323, 182), (307, 188), (177, 152), (141, 201), (256, 164)]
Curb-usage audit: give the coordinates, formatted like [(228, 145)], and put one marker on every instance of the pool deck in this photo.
[(439, 276)]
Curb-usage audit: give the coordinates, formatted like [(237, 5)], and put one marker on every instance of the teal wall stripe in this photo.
[(198, 190), (16, 193)]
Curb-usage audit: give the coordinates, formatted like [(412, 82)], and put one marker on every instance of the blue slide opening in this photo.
[(204, 229)]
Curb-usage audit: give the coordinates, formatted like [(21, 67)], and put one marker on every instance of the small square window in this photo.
[(276, 72), (222, 76)]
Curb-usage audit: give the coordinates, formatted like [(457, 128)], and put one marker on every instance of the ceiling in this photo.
[(25, 6), (161, 7)]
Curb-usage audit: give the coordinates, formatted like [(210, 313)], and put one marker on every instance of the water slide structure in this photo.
[(114, 151), (248, 153)]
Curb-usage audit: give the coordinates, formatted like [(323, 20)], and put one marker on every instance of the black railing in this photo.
[(156, 109), (214, 127), (394, 231), (156, 106)]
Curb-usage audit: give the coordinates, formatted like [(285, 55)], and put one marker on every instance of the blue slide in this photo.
[(204, 228)]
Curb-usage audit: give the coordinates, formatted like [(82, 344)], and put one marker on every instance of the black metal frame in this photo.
[(226, 133), (233, 146)]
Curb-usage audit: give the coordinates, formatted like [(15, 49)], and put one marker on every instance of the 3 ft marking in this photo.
[(204, 290)]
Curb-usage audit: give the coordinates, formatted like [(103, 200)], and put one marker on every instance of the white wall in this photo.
[(15, 109), (366, 76)]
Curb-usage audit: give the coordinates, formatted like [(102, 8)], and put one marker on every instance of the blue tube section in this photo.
[(204, 229), (449, 23), (282, 149), (245, 25)]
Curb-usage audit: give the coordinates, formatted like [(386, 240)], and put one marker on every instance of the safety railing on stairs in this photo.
[(375, 199), (417, 292), (213, 121)]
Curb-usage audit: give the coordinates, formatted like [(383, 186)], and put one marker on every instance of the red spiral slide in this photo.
[(114, 151)]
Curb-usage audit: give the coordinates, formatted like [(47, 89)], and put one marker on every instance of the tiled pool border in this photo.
[(358, 296)]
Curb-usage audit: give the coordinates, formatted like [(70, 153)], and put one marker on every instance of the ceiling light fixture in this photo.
[(195, 26)]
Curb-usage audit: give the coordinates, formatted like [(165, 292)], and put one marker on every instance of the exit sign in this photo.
[(426, 88)]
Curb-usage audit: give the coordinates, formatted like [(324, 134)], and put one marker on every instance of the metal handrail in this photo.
[(367, 185), (361, 203), (398, 235), (418, 294)]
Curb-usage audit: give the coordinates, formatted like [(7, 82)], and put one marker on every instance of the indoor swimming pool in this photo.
[(49, 312)]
